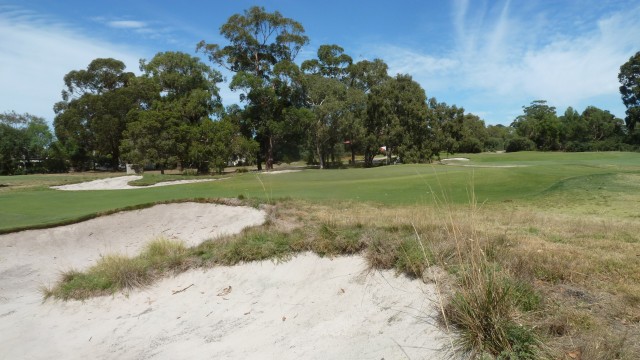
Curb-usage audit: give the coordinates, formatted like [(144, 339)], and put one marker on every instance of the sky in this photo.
[(489, 57)]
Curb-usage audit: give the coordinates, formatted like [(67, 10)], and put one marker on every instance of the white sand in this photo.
[(278, 172), (455, 159), (122, 183), (309, 308)]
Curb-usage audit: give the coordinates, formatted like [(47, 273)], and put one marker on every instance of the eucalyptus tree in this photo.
[(185, 94), (92, 115), (540, 124), (217, 143), (362, 77), (332, 63), (25, 141), (397, 119), (326, 98), (629, 77), (332, 102), (602, 125), (261, 50), (448, 125)]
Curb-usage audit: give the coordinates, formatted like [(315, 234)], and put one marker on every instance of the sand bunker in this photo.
[(308, 307), (121, 183), (278, 172), (455, 159)]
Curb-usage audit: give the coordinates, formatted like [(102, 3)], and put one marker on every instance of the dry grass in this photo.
[(521, 283), (585, 269)]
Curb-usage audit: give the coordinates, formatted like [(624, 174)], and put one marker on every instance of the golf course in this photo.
[(525, 255)]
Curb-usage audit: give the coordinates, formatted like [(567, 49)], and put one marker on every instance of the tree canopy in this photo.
[(324, 110), (629, 77)]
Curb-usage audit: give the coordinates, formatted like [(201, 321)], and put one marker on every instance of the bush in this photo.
[(470, 146), (519, 144), (494, 144)]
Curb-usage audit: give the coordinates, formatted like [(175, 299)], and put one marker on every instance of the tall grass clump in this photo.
[(116, 272), (484, 304)]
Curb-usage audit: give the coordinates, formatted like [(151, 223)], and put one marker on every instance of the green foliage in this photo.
[(540, 124), (92, 115), (332, 63), (185, 95), (218, 143), (25, 144), (519, 143), (260, 51), (629, 78), (326, 98), (397, 119)]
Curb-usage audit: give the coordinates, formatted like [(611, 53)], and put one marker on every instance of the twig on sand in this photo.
[(225, 291), (181, 290)]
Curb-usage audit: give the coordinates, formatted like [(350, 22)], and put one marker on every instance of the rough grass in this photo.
[(118, 272), (569, 287)]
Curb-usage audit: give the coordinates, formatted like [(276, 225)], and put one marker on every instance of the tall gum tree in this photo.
[(397, 119), (361, 78), (92, 115), (258, 41), (185, 96), (331, 101), (629, 77)]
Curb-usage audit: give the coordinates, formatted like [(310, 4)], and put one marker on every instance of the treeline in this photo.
[(539, 128), (320, 111)]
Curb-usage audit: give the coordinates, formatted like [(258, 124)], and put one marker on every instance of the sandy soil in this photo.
[(308, 307), (121, 183)]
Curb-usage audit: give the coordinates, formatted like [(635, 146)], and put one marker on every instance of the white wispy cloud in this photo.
[(506, 55), (38, 51), (127, 24)]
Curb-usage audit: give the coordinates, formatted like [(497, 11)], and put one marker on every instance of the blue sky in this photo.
[(490, 57)]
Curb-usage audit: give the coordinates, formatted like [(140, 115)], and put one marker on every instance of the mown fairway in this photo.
[(576, 182)]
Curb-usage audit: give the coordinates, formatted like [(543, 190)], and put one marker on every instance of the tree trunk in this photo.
[(270, 154), (388, 155), (320, 155), (353, 153), (259, 160)]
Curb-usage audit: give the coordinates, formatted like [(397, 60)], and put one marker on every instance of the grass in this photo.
[(546, 266), (539, 185), (153, 178)]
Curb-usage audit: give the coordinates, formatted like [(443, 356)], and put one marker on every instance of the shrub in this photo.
[(519, 144)]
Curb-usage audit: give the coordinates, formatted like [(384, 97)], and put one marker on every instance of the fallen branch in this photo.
[(181, 290)]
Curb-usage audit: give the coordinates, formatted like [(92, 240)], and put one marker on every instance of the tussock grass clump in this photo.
[(251, 245), (483, 312), (112, 273)]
